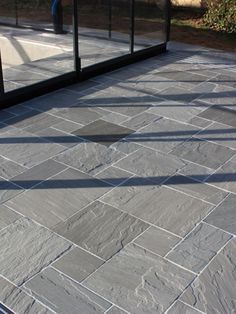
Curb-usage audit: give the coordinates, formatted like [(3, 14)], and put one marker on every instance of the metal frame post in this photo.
[(109, 18), (132, 17), (77, 61), (1, 77)]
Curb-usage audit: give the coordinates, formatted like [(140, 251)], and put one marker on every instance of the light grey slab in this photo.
[(9, 169), (18, 301), (38, 173), (26, 149), (116, 310), (26, 248), (223, 216), (78, 264), (223, 97), (178, 94), (139, 281), (214, 290), (90, 157), (113, 175), (182, 308), (115, 117), (7, 216), (126, 147), (163, 134), (151, 164), (140, 120), (101, 229), (224, 79), (197, 189), (199, 247), (199, 122), (157, 240), (64, 295), (220, 114), (67, 126), (58, 198), (8, 190), (164, 207), (203, 153), (196, 172)]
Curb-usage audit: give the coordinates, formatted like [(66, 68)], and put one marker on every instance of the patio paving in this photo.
[(118, 195)]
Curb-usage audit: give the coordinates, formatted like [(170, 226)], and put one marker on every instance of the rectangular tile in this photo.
[(8, 190), (139, 281), (7, 216), (9, 169), (220, 114), (116, 310), (67, 126), (101, 229), (63, 295), (113, 175), (26, 248), (180, 307), (199, 247), (141, 120), (196, 172), (58, 198)]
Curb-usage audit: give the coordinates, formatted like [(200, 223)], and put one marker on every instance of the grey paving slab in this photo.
[(220, 114), (90, 157), (78, 264), (176, 212), (214, 290), (140, 120), (8, 190), (223, 97), (228, 80), (182, 308), (26, 149), (101, 229), (115, 310), (7, 216), (204, 153), (19, 301), (196, 172), (139, 281), (9, 169), (163, 134), (58, 198), (26, 248), (5, 115), (38, 173), (179, 94), (200, 122), (157, 240), (223, 216), (113, 175), (199, 247), (63, 295), (115, 117), (151, 164), (196, 189), (125, 146), (103, 132), (67, 126)]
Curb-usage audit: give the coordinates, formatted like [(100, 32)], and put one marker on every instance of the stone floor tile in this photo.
[(214, 290), (157, 240), (182, 308), (8, 190), (228, 80), (200, 122), (26, 248), (58, 198), (140, 120), (4, 115), (19, 301), (196, 172), (89, 157), (7, 216), (9, 169), (65, 296), (115, 117), (78, 264), (101, 229), (115, 310), (223, 97), (103, 132), (199, 247), (196, 189), (179, 94), (220, 114), (224, 215), (139, 281), (113, 175), (125, 146), (203, 153), (67, 126), (176, 212)]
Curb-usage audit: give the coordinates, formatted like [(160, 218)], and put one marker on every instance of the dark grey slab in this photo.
[(175, 212), (214, 290), (103, 132), (220, 114), (90, 157), (8, 190), (139, 281), (67, 126), (140, 120), (7, 216), (199, 247), (182, 308), (157, 240), (9, 169), (26, 248), (197, 189), (224, 216), (63, 295), (58, 198), (204, 153), (196, 172), (4, 115), (18, 301), (178, 94), (113, 175), (101, 229), (78, 264), (115, 117)]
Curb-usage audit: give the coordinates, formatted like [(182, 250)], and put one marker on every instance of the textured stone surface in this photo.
[(140, 120), (139, 281), (7, 216), (101, 229), (8, 190), (220, 114), (26, 248), (214, 290), (77, 264), (9, 169), (199, 247), (113, 175), (63, 295), (126, 147), (115, 310), (182, 308)]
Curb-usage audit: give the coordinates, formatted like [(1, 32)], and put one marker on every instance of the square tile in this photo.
[(103, 132), (101, 229)]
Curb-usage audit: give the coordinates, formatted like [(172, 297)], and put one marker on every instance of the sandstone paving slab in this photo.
[(140, 120), (63, 295), (196, 172), (113, 175), (164, 207), (199, 247), (214, 290), (19, 301), (125, 146), (58, 198), (180, 307), (26, 248), (139, 281), (101, 229), (7, 216), (220, 114)]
